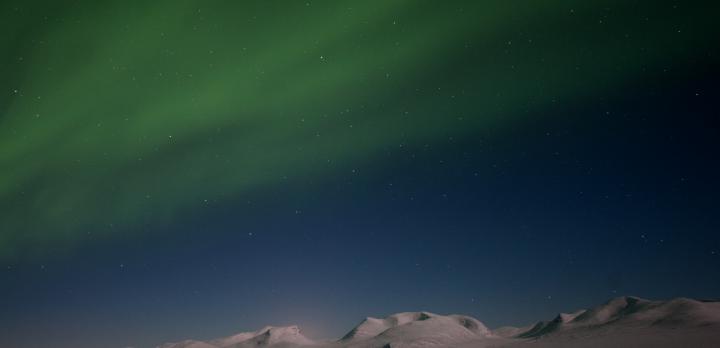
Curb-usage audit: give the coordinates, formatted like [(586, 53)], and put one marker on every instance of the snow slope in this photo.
[(187, 344)]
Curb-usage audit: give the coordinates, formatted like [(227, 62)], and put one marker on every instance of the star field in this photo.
[(185, 168)]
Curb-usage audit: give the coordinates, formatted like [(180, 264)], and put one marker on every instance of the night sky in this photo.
[(193, 169)]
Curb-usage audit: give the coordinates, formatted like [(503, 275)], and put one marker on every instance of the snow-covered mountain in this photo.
[(624, 322), (632, 312), (621, 322), (414, 328), (269, 336)]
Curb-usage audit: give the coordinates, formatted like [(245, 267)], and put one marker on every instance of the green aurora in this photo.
[(115, 114)]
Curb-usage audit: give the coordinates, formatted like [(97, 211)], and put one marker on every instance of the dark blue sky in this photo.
[(581, 204), (552, 205)]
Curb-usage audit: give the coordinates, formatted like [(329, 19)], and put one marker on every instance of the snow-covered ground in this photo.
[(621, 322)]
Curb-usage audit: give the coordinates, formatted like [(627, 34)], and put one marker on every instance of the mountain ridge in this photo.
[(631, 318)]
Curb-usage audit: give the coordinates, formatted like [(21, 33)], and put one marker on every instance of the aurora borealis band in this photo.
[(160, 140), (113, 114)]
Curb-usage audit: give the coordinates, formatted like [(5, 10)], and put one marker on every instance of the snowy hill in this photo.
[(414, 329), (187, 344), (269, 336)]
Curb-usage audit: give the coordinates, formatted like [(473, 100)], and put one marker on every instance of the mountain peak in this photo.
[(265, 337)]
